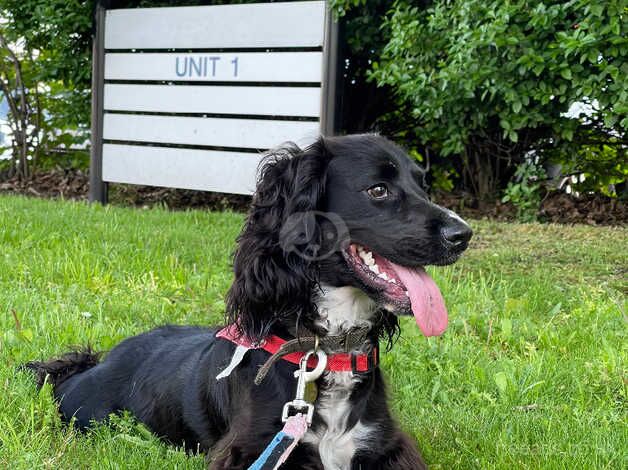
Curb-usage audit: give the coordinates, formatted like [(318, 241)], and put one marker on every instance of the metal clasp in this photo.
[(299, 405)]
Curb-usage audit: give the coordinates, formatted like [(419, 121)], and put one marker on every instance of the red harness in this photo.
[(338, 362)]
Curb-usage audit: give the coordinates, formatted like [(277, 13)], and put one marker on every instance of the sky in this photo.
[(4, 108)]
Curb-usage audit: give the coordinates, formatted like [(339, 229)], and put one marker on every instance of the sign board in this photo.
[(190, 97)]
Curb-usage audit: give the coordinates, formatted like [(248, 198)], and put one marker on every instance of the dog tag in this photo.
[(311, 392)]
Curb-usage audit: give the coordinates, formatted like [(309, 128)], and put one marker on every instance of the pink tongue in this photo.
[(427, 302)]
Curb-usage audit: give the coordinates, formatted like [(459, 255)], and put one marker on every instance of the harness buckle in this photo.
[(372, 360)]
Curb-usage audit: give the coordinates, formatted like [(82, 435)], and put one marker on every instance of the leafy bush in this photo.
[(601, 167), (486, 82), (525, 191), (46, 69)]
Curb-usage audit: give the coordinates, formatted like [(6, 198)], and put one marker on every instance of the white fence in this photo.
[(189, 97)]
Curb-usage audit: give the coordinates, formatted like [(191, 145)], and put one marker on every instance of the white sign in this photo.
[(192, 95)]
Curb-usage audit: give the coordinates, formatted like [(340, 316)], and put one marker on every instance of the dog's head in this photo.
[(347, 211)]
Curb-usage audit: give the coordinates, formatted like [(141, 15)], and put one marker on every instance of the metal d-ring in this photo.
[(313, 375)]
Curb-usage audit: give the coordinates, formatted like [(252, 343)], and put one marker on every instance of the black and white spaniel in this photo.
[(336, 239)]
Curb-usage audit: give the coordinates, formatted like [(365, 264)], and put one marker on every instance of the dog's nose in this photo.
[(456, 233)]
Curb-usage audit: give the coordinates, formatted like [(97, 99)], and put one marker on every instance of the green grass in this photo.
[(530, 374)]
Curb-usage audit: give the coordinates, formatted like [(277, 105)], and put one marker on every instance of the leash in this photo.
[(308, 352), (282, 445), (297, 416)]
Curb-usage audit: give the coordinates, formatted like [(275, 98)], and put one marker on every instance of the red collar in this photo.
[(339, 362)]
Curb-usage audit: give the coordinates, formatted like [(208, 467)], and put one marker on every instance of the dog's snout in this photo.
[(456, 233)]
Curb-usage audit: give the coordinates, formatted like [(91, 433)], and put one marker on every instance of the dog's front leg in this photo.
[(242, 445), (402, 454), (232, 454), (239, 449)]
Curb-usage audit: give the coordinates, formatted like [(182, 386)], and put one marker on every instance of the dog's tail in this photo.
[(57, 371)]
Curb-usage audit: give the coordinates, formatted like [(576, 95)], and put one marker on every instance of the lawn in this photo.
[(530, 374)]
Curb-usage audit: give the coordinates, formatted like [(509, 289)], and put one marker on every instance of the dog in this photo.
[(336, 241)]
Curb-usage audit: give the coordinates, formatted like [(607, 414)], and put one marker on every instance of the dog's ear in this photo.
[(274, 263)]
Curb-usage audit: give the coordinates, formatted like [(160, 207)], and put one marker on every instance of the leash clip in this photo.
[(299, 405)]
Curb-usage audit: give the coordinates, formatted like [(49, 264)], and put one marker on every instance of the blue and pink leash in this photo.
[(297, 416)]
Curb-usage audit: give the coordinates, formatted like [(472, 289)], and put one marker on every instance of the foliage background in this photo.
[(53, 40), (473, 89), (488, 85)]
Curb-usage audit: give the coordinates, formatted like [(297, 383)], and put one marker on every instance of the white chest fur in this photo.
[(336, 443), (340, 309)]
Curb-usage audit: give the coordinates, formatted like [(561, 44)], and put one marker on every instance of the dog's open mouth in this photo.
[(406, 288)]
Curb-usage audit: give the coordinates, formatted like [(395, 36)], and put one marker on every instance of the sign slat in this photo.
[(240, 133), (224, 67), (290, 24), (228, 172), (247, 100)]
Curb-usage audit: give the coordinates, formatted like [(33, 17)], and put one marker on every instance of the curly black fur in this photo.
[(271, 284), (286, 262)]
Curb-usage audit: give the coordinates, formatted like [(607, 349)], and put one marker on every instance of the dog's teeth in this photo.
[(383, 276), (392, 281), (367, 257), (373, 267), (407, 295)]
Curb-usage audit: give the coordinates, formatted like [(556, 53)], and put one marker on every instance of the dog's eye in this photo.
[(379, 191)]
